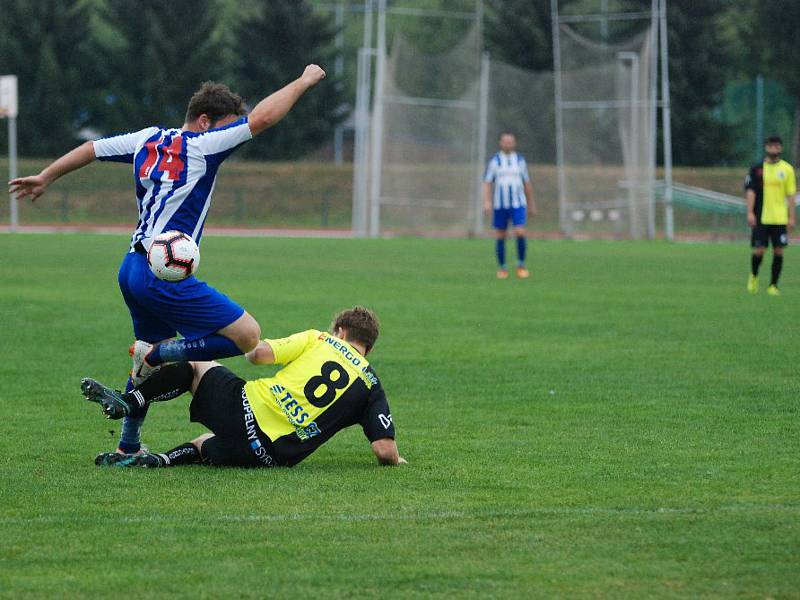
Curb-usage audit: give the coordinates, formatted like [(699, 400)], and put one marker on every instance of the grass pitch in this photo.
[(625, 423)]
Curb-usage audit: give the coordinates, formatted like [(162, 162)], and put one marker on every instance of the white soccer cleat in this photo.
[(141, 370)]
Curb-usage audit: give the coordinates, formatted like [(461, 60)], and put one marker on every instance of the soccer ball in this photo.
[(173, 256)]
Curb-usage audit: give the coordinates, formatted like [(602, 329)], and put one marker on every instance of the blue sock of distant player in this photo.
[(500, 249), (211, 347), (129, 439), (522, 247)]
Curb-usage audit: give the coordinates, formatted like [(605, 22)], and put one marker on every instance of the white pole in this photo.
[(12, 170), (338, 69), (360, 161), (562, 197), (653, 106), (377, 124), (669, 228), (483, 123)]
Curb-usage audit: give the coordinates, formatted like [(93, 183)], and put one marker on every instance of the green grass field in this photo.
[(624, 424)]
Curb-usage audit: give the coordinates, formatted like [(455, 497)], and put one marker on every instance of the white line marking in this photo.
[(455, 515)]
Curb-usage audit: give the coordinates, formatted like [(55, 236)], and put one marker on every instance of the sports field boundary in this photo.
[(278, 232)]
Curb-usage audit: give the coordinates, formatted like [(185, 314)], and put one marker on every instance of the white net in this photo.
[(429, 144), (607, 109)]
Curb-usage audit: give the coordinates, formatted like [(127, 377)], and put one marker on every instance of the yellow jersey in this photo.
[(325, 386), (772, 183)]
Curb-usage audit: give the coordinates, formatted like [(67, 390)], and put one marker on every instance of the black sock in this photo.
[(169, 382), (185, 454), (777, 265), (755, 263)]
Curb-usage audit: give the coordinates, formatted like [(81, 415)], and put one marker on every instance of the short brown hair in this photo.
[(215, 100), (361, 325)]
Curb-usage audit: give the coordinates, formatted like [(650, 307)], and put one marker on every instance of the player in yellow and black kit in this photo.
[(770, 188), (327, 384)]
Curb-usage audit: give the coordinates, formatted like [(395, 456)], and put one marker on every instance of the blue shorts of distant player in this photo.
[(501, 217), (162, 309)]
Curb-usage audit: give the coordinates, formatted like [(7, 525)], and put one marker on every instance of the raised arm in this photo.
[(35, 185), (275, 106)]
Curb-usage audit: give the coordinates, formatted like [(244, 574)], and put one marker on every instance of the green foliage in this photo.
[(697, 71), (776, 26), (275, 42), (154, 60), (520, 32), (45, 45), (605, 429)]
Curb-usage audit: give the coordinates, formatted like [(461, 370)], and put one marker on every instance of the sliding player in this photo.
[(175, 171), (326, 385)]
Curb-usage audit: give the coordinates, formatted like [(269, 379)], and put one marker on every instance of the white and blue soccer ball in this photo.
[(173, 256)]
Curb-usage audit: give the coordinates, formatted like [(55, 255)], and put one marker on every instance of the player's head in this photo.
[(508, 142), (357, 324), (213, 105), (773, 146)]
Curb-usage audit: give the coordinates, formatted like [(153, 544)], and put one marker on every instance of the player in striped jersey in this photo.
[(512, 201), (175, 171)]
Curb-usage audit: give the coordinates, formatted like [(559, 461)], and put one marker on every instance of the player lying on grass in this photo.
[(327, 384), (175, 171)]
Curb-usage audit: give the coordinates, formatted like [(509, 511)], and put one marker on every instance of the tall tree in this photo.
[(776, 25), (698, 68), (155, 55), (520, 32), (275, 40), (44, 44)]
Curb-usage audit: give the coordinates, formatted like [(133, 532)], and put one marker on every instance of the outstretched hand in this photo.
[(312, 75), (33, 186)]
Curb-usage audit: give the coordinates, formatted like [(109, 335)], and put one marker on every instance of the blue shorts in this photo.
[(502, 216), (162, 309)]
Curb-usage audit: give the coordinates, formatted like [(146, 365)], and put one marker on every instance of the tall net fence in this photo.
[(608, 129), (429, 140)]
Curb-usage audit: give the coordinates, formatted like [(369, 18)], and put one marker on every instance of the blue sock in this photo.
[(522, 246), (211, 347), (129, 441), (500, 249)]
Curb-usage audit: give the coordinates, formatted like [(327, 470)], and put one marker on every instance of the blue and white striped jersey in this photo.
[(175, 172), (508, 172)]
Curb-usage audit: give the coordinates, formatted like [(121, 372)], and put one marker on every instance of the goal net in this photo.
[(606, 108)]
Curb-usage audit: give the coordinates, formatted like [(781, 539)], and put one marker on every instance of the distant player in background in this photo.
[(326, 385), (175, 171), (512, 200), (770, 188)]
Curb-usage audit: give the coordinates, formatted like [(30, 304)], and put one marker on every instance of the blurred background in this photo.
[(416, 95)]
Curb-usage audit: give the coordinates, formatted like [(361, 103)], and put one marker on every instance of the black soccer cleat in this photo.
[(114, 406), (119, 459)]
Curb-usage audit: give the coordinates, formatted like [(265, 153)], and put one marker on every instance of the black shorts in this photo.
[(763, 234), (221, 405)]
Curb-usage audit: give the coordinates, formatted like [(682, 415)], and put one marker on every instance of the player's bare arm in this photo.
[(386, 452), (750, 196), (35, 185), (529, 198), (275, 106), (262, 354), (790, 207), (487, 196)]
